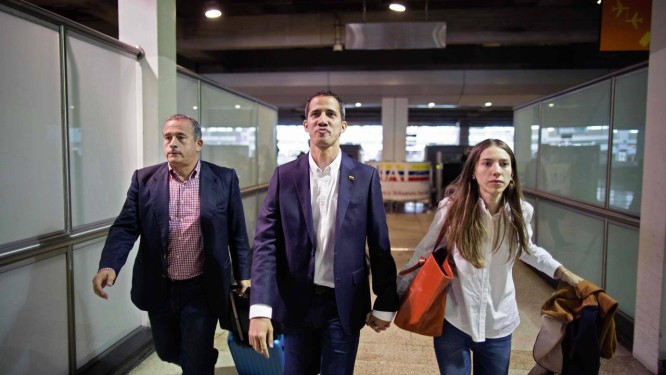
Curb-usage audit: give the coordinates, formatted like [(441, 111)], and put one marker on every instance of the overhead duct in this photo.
[(395, 35)]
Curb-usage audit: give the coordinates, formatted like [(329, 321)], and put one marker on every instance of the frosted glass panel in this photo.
[(188, 96), (104, 128), (574, 144), (267, 142), (33, 319), (622, 266), (101, 323), (575, 240), (526, 124), (229, 127), (32, 190), (628, 142)]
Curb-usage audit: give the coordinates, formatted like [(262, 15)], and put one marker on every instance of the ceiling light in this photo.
[(431, 104), (358, 104), (551, 105), (213, 10), (338, 47), (488, 104), (237, 106), (397, 7)]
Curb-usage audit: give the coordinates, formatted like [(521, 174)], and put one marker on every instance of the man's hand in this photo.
[(261, 335), (375, 323), (103, 278), (244, 284)]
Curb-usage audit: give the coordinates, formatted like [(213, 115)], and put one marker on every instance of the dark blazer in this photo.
[(284, 245), (146, 214)]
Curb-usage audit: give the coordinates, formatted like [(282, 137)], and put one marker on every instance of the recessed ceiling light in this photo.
[(213, 10), (358, 104), (194, 107), (237, 106), (431, 104), (551, 105), (488, 104), (397, 7)]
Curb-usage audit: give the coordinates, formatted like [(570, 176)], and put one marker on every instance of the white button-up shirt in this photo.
[(324, 200), (482, 301)]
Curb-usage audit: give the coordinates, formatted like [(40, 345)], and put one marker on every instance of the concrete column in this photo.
[(649, 321), (151, 25), (395, 115)]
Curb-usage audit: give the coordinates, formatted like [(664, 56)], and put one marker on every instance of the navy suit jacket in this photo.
[(146, 214), (284, 245)]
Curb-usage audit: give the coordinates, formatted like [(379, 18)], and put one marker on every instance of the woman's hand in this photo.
[(567, 276)]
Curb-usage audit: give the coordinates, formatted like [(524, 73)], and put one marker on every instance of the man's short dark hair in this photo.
[(196, 127), (326, 93)]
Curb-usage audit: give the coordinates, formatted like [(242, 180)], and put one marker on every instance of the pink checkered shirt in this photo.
[(185, 256)]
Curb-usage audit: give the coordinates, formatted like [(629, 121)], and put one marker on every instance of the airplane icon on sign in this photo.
[(634, 21), (619, 9)]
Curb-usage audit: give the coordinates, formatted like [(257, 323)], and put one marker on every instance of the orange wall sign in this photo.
[(625, 25)]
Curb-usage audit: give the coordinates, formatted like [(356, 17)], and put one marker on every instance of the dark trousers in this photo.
[(184, 328), (320, 344)]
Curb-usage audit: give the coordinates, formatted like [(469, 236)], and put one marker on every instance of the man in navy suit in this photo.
[(309, 266), (189, 215)]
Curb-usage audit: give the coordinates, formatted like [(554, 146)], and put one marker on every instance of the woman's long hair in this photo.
[(463, 225)]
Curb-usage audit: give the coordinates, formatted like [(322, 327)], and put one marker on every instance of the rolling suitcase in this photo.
[(249, 362)]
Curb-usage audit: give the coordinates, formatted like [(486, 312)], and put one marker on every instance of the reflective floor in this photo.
[(399, 352)]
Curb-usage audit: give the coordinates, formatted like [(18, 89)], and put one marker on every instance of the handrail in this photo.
[(586, 208), (593, 81), (56, 19), (29, 248), (195, 75)]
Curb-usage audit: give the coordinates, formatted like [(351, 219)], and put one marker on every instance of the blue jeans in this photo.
[(320, 344), (453, 347), (184, 328)]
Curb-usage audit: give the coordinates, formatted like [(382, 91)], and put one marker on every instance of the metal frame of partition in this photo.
[(606, 214)]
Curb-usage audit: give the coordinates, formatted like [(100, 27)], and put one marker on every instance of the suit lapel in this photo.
[(159, 201), (208, 191), (301, 175), (345, 189)]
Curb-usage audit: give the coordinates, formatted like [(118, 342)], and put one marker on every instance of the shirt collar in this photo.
[(193, 175), (333, 168)]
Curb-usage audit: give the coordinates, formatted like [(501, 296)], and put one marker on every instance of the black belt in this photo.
[(320, 290)]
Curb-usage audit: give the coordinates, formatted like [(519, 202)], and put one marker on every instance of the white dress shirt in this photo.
[(324, 200), (487, 308)]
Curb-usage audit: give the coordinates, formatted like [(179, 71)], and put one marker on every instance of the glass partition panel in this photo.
[(101, 323), (574, 144), (104, 128), (622, 266), (574, 239), (526, 124), (33, 318), (626, 180), (266, 140), (32, 191), (229, 127), (187, 96)]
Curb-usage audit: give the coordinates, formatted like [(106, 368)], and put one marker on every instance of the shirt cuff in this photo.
[(261, 311), (384, 315)]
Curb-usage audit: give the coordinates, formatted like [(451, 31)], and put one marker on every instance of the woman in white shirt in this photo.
[(486, 226)]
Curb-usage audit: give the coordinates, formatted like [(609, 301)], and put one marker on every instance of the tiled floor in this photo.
[(399, 352)]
